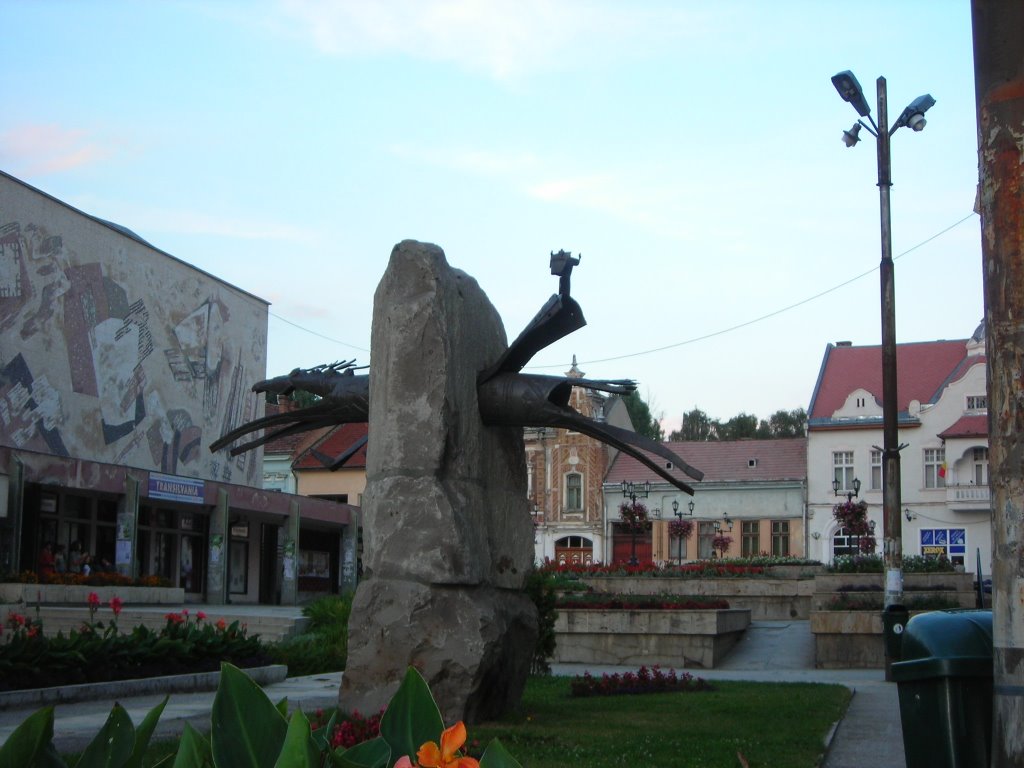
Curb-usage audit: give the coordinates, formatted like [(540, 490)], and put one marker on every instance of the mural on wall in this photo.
[(122, 357)]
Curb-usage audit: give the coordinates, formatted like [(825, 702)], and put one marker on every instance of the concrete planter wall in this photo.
[(75, 595), (667, 638), (844, 639), (767, 599)]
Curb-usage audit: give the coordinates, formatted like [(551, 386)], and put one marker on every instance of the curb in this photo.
[(831, 735), (119, 689)]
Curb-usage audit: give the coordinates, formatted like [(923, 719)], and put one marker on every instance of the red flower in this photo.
[(94, 601), (115, 605), (222, 625), (200, 616)]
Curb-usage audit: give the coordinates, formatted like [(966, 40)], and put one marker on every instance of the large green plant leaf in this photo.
[(412, 718), (193, 750), (299, 750), (322, 736), (144, 733), (374, 753), (30, 744), (247, 731), (496, 756), (112, 746)]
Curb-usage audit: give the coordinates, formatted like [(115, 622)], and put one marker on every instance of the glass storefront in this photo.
[(171, 544)]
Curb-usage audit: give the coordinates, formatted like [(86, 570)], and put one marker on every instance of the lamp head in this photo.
[(849, 89), (675, 506), (913, 115), (691, 505), (852, 136)]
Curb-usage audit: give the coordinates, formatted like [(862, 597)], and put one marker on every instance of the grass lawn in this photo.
[(776, 725), (772, 724)]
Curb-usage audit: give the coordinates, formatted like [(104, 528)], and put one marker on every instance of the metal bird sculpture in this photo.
[(506, 396)]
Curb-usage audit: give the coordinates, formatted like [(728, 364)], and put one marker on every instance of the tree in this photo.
[(640, 414), (738, 427), (696, 425), (787, 424)]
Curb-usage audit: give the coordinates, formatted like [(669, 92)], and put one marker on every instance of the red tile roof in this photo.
[(725, 461), (923, 369), (333, 444), (289, 444), (967, 426)]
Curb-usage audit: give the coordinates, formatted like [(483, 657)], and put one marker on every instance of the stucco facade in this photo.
[(944, 466)]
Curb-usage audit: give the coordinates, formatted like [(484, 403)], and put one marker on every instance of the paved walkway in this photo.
[(869, 735)]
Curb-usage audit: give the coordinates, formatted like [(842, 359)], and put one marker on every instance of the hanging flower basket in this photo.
[(680, 529)]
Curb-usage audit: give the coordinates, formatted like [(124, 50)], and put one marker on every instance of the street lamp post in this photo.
[(679, 514), (636, 519), (913, 117)]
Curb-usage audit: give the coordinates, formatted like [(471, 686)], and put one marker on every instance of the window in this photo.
[(705, 537), (945, 542), (780, 538), (934, 467), (981, 466), (842, 469), (876, 470), (574, 491), (977, 402), (751, 538), (844, 543)]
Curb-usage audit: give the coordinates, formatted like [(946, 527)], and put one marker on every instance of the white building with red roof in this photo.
[(753, 491), (943, 421)]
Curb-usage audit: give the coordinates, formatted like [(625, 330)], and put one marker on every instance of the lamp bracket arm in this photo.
[(873, 131)]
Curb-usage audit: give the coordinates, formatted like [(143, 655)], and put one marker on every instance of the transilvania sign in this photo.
[(171, 488)]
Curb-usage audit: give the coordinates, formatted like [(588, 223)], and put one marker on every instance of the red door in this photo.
[(622, 546)]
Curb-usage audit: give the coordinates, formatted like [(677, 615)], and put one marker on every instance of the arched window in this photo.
[(574, 492), (844, 543), (574, 550)]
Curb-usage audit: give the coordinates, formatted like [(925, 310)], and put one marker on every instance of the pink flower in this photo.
[(200, 616), (404, 762), (115, 605), (184, 611), (94, 601)]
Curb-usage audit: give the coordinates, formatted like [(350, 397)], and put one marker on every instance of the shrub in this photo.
[(856, 564), (921, 564), (324, 648), (643, 680), (540, 586)]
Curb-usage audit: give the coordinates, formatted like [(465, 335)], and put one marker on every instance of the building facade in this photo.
[(943, 423), (119, 365), (565, 473), (753, 493)]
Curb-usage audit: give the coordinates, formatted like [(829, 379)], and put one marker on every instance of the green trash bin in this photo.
[(945, 689)]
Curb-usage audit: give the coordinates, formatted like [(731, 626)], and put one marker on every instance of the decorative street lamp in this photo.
[(850, 495), (725, 522), (912, 117), (634, 514), (679, 514)]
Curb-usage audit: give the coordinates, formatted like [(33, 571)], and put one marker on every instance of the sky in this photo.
[(690, 151)]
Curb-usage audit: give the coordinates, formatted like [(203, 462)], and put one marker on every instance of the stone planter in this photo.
[(848, 639), (78, 594), (830, 585), (678, 639), (767, 599)]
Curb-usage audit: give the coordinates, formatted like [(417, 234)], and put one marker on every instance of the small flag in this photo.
[(942, 469)]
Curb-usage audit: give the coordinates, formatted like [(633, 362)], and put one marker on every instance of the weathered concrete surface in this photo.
[(447, 533), (664, 637)]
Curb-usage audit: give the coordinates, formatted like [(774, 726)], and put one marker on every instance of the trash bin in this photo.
[(894, 620), (945, 689)]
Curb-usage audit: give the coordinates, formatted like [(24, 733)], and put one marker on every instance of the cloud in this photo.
[(504, 39), (38, 149)]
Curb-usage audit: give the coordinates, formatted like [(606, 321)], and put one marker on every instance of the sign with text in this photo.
[(171, 488)]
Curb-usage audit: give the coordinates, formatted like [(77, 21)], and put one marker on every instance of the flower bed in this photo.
[(663, 602), (101, 653), (644, 680)]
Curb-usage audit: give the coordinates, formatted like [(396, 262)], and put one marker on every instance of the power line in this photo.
[(320, 335), (775, 313), (695, 339)]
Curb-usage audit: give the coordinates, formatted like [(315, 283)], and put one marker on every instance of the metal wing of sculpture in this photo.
[(506, 396)]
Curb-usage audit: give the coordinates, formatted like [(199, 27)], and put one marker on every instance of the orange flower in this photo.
[(447, 755)]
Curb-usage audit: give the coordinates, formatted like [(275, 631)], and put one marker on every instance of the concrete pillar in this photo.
[(217, 560), (10, 525), (290, 580), (127, 528), (348, 573)]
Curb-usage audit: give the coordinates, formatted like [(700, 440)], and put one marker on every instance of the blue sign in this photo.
[(170, 488)]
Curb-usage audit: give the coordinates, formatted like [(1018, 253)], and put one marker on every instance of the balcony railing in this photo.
[(967, 494)]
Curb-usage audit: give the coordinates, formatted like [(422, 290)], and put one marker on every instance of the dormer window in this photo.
[(751, 463), (977, 402)]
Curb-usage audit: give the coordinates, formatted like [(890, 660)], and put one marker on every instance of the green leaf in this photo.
[(322, 736), (496, 756), (193, 750), (412, 718), (282, 707), (247, 730), (112, 746), (374, 753), (27, 744), (299, 750), (144, 733)]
